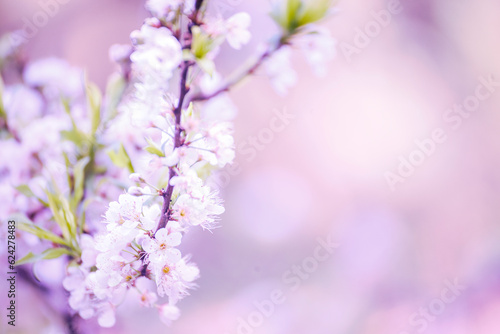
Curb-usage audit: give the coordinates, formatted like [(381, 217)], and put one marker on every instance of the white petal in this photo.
[(174, 239), (173, 255), (161, 235), (107, 319), (149, 245)]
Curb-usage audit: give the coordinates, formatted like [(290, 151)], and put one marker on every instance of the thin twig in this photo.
[(239, 77), (167, 194)]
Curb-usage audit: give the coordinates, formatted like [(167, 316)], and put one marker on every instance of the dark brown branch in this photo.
[(184, 89), (167, 194)]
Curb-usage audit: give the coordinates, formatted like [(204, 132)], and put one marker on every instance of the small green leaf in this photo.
[(206, 65), (203, 43), (94, 100), (114, 91), (121, 159), (76, 136), (3, 113), (48, 254), (30, 257), (68, 215), (285, 14), (205, 171), (79, 180), (54, 253), (153, 148), (297, 13), (314, 11), (25, 190), (54, 205), (42, 233), (293, 8)]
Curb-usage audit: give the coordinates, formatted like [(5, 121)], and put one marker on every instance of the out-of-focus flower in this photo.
[(161, 248), (280, 71), (120, 52), (157, 53), (167, 8), (237, 33), (56, 77), (148, 299), (169, 313), (318, 47), (22, 104)]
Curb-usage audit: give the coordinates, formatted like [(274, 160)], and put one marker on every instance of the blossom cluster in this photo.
[(146, 149), (31, 133), (181, 143)]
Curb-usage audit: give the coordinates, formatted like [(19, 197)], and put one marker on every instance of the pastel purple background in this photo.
[(324, 175)]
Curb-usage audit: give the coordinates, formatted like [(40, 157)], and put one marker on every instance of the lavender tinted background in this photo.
[(324, 174)]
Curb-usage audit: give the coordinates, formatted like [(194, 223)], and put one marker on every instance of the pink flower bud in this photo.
[(135, 191), (136, 177)]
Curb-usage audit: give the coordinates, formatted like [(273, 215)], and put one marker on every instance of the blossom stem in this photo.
[(239, 77), (167, 194)]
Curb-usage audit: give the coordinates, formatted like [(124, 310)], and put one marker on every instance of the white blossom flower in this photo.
[(89, 252), (150, 216), (120, 52), (219, 144), (126, 212), (186, 178), (80, 299), (199, 208), (169, 313), (158, 54), (22, 104), (55, 76), (174, 280), (116, 239), (318, 47), (106, 315), (237, 33), (167, 8), (148, 299), (161, 248), (136, 177), (279, 70), (52, 126)]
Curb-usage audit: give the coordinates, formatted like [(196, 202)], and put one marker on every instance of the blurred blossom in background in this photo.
[(417, 234)]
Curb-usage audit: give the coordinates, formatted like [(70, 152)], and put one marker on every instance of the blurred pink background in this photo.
[(324, 175)]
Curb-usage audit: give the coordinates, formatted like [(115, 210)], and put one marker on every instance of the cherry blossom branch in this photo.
[(184, 90), (167, 194), (239, 77), (198, 5)]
